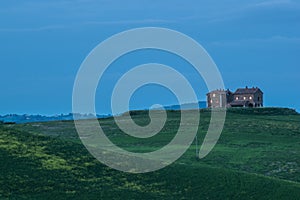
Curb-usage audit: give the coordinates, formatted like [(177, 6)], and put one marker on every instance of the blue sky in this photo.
[(43, 43)]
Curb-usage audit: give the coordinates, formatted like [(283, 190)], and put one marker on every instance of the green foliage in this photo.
[(257, 157)]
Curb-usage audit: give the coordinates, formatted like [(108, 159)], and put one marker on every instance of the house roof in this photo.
[(220, 92), (247, 90)]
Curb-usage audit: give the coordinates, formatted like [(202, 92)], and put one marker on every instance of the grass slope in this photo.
[(257, 157)]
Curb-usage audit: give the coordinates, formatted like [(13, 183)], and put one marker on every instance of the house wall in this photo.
[(230, 98), (256, 101), (258, 98), (248, 97), (216, 100)]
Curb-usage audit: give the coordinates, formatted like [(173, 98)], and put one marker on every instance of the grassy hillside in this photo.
[(257, 157)]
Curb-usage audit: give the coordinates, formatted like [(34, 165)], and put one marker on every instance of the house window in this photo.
[(245, 98), (214, 95), (236, 98), (211, 101), (250, 98)]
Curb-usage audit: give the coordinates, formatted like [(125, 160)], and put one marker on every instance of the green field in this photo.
[(257, 157)]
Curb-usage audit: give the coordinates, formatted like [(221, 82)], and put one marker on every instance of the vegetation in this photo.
[(257, 157)]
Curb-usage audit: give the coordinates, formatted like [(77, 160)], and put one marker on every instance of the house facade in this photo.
[(219, 98), (242, 97)]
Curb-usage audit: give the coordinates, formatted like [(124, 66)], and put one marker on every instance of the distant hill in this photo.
[(20, 119), (187, 106), (14, 118)]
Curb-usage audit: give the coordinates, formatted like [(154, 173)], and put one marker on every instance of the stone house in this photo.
[(242, 97)]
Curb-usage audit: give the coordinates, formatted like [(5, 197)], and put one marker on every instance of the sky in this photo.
[(43, 43)]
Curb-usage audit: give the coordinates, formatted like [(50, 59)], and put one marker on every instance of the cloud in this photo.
[(140, 21), (258, 41), (273, 3), (249, 9), (115, 22), (34, 29)]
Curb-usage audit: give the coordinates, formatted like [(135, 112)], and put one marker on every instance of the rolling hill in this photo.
[(257, 157)]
